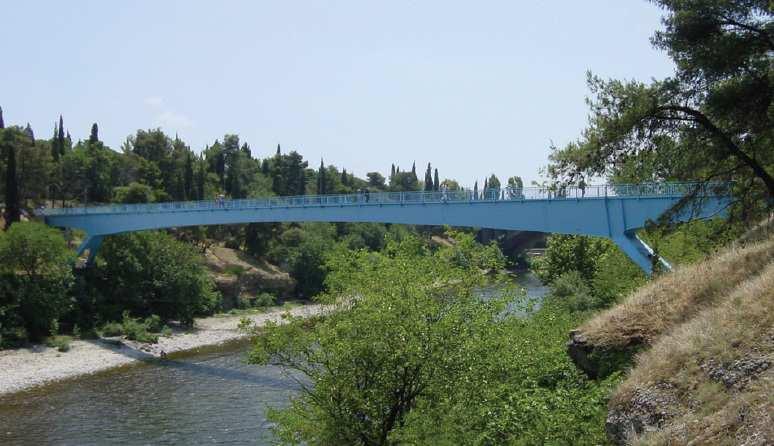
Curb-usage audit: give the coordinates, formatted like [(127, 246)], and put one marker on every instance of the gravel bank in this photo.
[(28, 367)]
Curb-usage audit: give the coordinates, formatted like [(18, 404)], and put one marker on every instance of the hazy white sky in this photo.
[(473, 87)]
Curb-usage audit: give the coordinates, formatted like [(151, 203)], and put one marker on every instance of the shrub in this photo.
[(111, 329), (264, 299), (61, 343), (138, 330), (571, 290)]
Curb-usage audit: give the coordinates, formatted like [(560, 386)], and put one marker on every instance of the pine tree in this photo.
[(246, 151), (12, 206), (94, 136), (436, 184), (2, 124), (30, 134)]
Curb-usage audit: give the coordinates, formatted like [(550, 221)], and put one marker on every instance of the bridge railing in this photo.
[(411, 198)]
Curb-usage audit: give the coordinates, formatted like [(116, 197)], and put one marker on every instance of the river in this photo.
[(207, 397)]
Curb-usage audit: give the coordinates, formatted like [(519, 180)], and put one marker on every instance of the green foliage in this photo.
[(35, 278), (571, 290), (136, 329), (711, 121), (134, 193), (264, 299), (61, 343), (139, 330), (151, 273), (570, 253), (415, 357)]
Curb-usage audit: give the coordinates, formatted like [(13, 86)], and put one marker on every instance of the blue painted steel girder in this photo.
[(614, 217)]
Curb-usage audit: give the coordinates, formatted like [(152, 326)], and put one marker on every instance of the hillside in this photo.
[(701, 344)]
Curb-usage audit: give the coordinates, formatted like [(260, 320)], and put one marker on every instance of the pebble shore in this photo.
[(24, 368)]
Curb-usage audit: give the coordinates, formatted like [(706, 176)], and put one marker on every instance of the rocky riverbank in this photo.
[(29, 367)]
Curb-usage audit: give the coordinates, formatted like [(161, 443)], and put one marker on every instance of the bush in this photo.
[(111, 329), (61, 343), (571, 290), (138, 330), (264, 299)]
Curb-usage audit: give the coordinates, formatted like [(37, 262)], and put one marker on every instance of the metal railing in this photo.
[(507, 194)]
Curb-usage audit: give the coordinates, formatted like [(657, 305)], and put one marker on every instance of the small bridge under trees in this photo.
[(612, 211)]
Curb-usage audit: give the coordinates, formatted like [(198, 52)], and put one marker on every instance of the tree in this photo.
[(152, 273), (376, 180), (35, 277), (393, 350), (429, 178), (565, 253), (30, 134), (494, 182), (436, 183), (12, 199), (94, 136), (321, 179), (60, 138), (134, 193), (2, 123), (188, 178), (711, 121)]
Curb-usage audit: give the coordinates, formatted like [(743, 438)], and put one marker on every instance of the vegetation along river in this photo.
[(207, 397)]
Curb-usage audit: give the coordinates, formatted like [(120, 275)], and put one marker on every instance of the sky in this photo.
[(475, 88)]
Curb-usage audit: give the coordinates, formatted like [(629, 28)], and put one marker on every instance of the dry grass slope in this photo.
[(676, 297), (711, 379)]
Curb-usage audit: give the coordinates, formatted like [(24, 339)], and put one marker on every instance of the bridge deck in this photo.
[(607, 211)]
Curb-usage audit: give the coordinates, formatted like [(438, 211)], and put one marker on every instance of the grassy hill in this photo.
[(699, 347)]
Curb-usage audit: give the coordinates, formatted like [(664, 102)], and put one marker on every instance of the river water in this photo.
[(207, 397)]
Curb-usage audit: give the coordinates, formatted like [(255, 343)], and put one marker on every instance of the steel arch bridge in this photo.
[(612, 211)]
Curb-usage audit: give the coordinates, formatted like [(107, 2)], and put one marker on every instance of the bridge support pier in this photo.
[(639, 252), (92, 244)]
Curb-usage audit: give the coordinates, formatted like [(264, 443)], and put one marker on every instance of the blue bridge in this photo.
[(612, 211)]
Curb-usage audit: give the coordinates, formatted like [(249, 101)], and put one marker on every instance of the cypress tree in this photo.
[(60, 137), (12, 207), (475, 191), (55, 152), (429, 179), (486, 184), (2, 124), (414, 169), (94, 136), (201, 176), (279, 152), (344, 179), (188, 178), (436, 184), (321, 179), (265, 167)]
